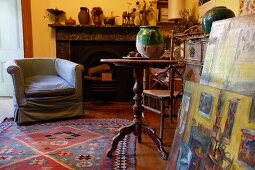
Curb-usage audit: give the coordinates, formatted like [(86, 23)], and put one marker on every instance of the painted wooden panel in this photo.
[(11, 40)]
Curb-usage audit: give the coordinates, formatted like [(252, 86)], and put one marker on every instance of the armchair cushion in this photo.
[(47, 86)]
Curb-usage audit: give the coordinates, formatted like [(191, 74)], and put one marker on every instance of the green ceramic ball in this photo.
[(215, 14)]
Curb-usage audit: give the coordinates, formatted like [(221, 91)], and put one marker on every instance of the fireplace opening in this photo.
[(101, 81), (107, 82)]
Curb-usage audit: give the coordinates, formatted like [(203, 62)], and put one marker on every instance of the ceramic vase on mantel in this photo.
[(143, 20), (215, 14), (83, 16), (150, 42), (96, 20)]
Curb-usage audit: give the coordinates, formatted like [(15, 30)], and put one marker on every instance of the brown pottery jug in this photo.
[(83, 16)]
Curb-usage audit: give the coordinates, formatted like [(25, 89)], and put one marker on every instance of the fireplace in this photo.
[(87, 45), (89, 54)]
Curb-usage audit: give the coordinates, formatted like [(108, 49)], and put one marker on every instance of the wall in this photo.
[(44, 37), (231, 4)]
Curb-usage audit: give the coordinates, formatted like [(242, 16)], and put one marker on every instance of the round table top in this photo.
[(140, 62)]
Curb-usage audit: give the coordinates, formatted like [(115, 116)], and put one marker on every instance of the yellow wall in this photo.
[(44, 37), (231, 4)]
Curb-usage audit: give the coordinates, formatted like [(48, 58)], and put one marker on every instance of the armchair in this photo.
[(45, 89)]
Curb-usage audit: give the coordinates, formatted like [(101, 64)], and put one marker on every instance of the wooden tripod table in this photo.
[(137, 126)]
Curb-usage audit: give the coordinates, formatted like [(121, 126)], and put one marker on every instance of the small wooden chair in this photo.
[(163, 101)]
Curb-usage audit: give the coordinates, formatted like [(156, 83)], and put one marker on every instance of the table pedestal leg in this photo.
[(151, 133), (137, 126)]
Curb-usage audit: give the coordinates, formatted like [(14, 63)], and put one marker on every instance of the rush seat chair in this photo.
[(164, 101)]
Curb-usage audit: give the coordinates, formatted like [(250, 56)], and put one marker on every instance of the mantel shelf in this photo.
[(66, 35), (92, 26), (95, 33)]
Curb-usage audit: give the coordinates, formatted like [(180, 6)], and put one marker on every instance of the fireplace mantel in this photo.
[(86, 45), (65, 34), (91, 32)]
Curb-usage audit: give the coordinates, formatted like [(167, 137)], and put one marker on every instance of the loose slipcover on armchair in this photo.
[(45, 89)]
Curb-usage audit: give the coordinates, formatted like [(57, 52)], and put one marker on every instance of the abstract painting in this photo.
[(205, 104), (230, 118), (246, 7), (229, 60), (246, 153), (218, 141), (184, 157)]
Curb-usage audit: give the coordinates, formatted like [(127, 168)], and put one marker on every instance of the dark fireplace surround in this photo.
[(88, 44)]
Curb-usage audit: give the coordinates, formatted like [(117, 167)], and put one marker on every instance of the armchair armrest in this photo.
[(71, 72), (18, 82)]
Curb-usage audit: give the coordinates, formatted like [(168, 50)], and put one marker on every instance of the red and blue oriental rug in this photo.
[(70, 144)]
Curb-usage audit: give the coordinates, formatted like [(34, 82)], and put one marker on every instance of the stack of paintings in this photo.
[(214, 130), (216, 127)]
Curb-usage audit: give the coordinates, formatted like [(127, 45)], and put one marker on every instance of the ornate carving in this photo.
[(109, 33), (62, 50), (65, 34)]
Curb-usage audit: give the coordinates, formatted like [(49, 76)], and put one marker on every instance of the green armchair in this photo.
[(45, 89)]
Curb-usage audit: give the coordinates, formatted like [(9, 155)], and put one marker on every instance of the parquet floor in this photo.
[(147, 155)]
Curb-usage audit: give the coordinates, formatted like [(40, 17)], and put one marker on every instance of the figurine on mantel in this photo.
[(128, 18)]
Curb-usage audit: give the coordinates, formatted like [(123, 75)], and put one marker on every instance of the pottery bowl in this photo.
[(109, 20)]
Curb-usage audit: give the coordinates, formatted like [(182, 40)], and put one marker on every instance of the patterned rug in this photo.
[(70, 144)]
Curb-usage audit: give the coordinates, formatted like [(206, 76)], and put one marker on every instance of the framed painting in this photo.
[(246, 154), (205, 104), (190, 122), (182, 119), (230, 118)]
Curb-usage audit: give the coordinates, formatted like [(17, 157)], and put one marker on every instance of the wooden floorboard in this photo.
[(147, 155)]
